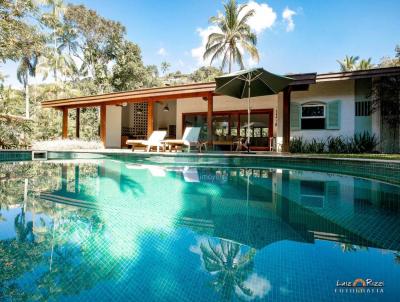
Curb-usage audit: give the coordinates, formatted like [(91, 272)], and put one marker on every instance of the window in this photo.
[(313, 116), (363, 108), (312, 193)]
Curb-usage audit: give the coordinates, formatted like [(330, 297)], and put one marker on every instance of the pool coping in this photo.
[(207, 154), (219, 154), (384, 170)]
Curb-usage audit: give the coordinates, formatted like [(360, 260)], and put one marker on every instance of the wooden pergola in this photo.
[(153, 95)]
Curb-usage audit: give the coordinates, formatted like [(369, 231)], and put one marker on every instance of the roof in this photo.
[(358, 74), (204, 89), (139, 95)]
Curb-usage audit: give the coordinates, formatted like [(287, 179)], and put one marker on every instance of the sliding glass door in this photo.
[(229, 126), (259, 129)]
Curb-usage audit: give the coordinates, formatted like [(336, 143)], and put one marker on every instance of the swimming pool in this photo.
[(126, 230)]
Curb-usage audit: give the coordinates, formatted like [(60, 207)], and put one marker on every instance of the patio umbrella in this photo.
[(250, 83)]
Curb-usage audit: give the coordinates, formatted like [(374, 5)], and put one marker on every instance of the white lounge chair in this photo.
[(154, 140), (189, 139)]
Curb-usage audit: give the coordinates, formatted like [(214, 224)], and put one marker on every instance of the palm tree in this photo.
[(53, 21), (349, 247), (233, 36), (349, 63), (365, 64), (230, 267), (26, 69), (165, 66), (23, 230)]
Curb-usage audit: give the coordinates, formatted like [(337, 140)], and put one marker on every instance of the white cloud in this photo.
[(259, 286), (198, 52), (263, 18), (287, 16), (162, 52)]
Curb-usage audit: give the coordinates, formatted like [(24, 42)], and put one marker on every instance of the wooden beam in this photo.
[(286, 119), (78, 123), (170, 92), (210, 105), (103, 121), (65, 123), (150, 118), (120, 100)]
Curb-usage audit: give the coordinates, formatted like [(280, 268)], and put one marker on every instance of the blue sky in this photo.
[(311, 38)]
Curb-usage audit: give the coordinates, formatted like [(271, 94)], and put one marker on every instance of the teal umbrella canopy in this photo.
[(261, 83)]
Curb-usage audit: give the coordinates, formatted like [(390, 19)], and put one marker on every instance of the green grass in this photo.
[(366, 156)]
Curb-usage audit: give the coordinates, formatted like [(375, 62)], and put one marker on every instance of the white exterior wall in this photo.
[(326, 92), (322, 92), (224, 103), (113, 126), (162, 119)]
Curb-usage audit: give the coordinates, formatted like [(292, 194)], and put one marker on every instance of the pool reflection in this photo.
[(66, 228)]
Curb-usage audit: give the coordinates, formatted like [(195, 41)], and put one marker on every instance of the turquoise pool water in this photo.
[(109, 230)]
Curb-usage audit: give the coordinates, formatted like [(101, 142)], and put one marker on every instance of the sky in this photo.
[(293, 36)]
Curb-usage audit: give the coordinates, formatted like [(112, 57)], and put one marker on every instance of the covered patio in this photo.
[(195, 102)]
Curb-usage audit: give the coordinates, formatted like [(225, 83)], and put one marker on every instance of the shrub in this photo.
[(362, 143), (359, 143), (315, 146), (337, 144), (15, 132), (296, 145), (66, 144)]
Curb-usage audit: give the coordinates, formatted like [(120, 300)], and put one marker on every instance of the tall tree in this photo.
[(26, 69), (386, 99), (165, 66), (234, 34), (53, 20), (16, 35), (99, 41), (128, 71), (349, 63)]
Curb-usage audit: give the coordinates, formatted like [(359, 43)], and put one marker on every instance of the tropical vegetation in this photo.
[(358, 143), (71, 51), (351, 63), (233, 37)]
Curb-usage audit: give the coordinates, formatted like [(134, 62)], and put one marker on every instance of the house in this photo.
[(313, 106)]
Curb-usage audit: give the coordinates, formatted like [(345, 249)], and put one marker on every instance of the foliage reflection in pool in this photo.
[(110, 230)]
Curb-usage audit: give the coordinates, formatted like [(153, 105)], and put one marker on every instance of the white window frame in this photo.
[(313, 105)]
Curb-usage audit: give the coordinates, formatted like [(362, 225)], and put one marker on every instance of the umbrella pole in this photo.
[(248, 118)]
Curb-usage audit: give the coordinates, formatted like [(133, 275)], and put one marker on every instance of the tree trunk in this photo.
[(27, 100), (230, 61)]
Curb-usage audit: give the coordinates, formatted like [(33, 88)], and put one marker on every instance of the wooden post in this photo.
[(76, 179), (65, 123), (78, 122), (150, 117), (103, 121), (210, 105), (286, 119), (64, 177)]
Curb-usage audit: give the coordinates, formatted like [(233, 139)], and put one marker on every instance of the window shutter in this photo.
[(295, 116), (333, 115), (332, 192)]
